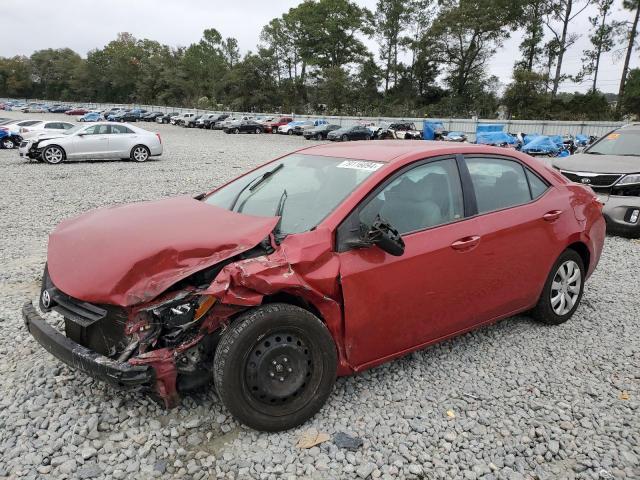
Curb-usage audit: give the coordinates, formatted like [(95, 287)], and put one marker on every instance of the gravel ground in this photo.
[(516, 400)]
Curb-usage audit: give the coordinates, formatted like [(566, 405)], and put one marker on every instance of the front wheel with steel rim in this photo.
[(275, 366), (53, 154), (8, 143), (562, 291), (140, 153)]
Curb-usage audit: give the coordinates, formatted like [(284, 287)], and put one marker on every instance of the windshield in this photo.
[(618, 143), (314, 187)]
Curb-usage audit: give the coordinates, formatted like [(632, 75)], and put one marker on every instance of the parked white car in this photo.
[(103, 140), (44, 128), (179, 119), (15, 126)]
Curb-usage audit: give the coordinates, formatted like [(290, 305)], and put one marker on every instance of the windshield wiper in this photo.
[(253, 184), (279, 210)]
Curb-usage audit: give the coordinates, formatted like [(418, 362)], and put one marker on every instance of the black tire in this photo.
[(236, 131), (258, 131), (8, 143), (53, 154), (140, 153), (345, 138), (545, 311), (290, 132), (268, 345), (319, 136)]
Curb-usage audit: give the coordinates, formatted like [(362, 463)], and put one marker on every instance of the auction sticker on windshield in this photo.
[(360, 165)]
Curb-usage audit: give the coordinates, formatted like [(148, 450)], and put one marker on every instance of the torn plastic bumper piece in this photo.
[(119, 374)]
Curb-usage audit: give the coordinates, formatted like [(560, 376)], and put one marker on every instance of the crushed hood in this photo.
[(584, 162), (130, 254)]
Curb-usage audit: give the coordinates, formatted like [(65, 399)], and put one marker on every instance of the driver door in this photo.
[(93, 144), (395, 304)]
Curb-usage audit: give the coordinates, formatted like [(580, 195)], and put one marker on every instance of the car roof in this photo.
[(395, 150), (633, 127)]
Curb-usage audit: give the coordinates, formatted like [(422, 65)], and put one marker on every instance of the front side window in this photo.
[(97, 130), (423, 197), (498, 183), (307, 188)]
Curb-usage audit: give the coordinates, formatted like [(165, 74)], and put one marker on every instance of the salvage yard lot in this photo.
[(514, 400)]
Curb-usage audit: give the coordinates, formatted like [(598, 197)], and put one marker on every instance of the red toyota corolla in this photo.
[(324, 262)]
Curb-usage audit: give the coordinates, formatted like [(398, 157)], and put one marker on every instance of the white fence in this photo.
[(467, 126)]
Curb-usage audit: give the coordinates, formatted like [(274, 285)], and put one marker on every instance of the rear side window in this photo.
[(53, 125), (536, 184), (498, 183), (120, 129)]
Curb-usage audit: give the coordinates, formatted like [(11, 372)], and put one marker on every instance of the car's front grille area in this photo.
[(83, 313), (592, 179), (97, 327)]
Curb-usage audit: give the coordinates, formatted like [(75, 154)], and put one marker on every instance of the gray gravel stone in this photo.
[(529, 401)]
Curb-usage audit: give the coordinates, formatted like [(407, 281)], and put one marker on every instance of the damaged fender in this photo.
[(303, 265)]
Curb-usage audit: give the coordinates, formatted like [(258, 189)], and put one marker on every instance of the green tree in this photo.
[(631, 99), (532, 22), (630, 44), (392, 17), (53, 72), (602, 41), (15, 77), (468, 33), (562, 12)]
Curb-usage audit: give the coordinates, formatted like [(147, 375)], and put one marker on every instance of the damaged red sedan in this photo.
[(321, 263)]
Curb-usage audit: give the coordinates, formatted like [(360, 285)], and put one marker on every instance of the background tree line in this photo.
[(431, 61)]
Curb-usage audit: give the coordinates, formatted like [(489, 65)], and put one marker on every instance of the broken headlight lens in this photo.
[(176, 315)]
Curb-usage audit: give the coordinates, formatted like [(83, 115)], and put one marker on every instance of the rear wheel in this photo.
[(345, 138), (53, 154), (275, 366), (318, 136), (236, 131), (8, 143), (562, 291), (140, 153), (258, 130), (290, 132)]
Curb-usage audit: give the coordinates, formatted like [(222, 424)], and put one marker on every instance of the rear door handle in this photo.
[(466, 243), (552, 216)]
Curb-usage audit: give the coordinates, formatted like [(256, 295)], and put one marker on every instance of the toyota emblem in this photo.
[(46, 299), (586, 180)]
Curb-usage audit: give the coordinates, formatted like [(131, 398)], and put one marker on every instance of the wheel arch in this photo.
[(581, 249), (291, 299)]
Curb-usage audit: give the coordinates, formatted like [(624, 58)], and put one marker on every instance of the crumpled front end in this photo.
[(166, 346)]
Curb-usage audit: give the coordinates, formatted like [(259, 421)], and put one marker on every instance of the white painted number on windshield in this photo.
[(358, 165)]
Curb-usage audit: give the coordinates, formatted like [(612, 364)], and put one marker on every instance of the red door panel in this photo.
[(396, 303)]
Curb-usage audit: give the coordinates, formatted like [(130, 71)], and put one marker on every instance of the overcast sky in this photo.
[(82, 25)]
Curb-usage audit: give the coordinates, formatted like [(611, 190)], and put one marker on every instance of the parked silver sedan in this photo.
[(103, 140)]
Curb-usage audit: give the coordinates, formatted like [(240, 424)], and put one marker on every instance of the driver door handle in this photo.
[(466, 243), (552, 216)]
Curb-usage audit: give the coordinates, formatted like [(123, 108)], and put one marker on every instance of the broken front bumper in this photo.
[(119, 374)]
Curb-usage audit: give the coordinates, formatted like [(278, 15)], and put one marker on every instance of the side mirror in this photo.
[(82, 134), (387, 238)]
